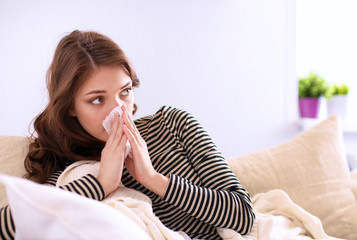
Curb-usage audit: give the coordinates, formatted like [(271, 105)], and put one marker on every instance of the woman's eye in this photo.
[(126, 92), (97, 100)]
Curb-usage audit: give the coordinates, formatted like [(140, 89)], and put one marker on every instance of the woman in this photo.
[(173, 160)]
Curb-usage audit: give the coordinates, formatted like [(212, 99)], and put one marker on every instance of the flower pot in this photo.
[(338, 104), (309, 107)]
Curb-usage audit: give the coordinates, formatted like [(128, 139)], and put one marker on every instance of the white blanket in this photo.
[(277, 217), (131, 203)]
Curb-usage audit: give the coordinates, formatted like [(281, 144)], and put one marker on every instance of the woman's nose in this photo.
[(116, 102)]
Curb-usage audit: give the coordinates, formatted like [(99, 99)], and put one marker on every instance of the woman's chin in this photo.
[(104, 136)]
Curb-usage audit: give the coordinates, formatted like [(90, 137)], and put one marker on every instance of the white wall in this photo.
[(230, 63), (331, 53)]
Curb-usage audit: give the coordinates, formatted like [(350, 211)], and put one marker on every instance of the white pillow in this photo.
[(313, 170), (44, 212), (13, 150)]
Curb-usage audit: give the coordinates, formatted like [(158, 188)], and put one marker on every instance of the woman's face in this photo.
[(107, 88)]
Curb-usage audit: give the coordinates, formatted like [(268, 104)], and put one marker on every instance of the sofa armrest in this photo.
[(354, 183)]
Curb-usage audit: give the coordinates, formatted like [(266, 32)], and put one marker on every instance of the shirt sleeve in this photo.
[(220, 200), (87, 186), (7, 227)]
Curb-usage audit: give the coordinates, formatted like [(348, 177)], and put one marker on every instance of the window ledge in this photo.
[(347, 126)]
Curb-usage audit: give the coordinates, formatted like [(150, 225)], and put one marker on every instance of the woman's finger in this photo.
[(131, 137), (122, 144), (119, 134), (125, 111), (113, 129), (131, 126)]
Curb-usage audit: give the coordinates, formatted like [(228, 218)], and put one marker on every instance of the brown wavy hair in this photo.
[(60, 138)]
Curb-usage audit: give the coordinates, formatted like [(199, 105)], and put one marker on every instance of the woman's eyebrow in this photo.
[(127, 84), (96, 92), (103, 91)]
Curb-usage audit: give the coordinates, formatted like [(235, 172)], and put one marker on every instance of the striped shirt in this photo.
[(203, 192)]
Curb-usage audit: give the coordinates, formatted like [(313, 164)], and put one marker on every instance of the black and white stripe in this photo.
[(87, 186), (53, 178), (7, 227)]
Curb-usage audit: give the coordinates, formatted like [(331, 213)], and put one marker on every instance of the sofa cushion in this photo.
[(354, 183), (13, 150), (312, 169)]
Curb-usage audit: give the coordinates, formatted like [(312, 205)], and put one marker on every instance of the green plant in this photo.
[(312, 86), (335, 89), (342, 89)]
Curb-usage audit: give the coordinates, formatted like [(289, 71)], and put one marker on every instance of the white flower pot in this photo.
[(338, 104)]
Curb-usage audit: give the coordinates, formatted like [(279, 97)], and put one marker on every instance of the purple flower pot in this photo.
[(309, 107)]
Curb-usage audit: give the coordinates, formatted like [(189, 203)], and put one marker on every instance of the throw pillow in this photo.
[(13, 150), (312, 169)]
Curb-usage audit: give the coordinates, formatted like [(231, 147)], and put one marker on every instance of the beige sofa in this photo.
[(311, 168)]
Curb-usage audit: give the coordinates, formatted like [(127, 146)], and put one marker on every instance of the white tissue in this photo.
[(108, 119), (107, 125)]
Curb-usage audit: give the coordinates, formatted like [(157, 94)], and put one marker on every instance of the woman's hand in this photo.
[(112, 158), (140, 166)]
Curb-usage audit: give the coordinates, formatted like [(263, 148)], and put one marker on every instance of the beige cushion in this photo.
[(313, 170), (354, 183), (13, 151)]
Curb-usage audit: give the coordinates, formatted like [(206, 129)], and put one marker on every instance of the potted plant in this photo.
[(311, 89), (337, 99)]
